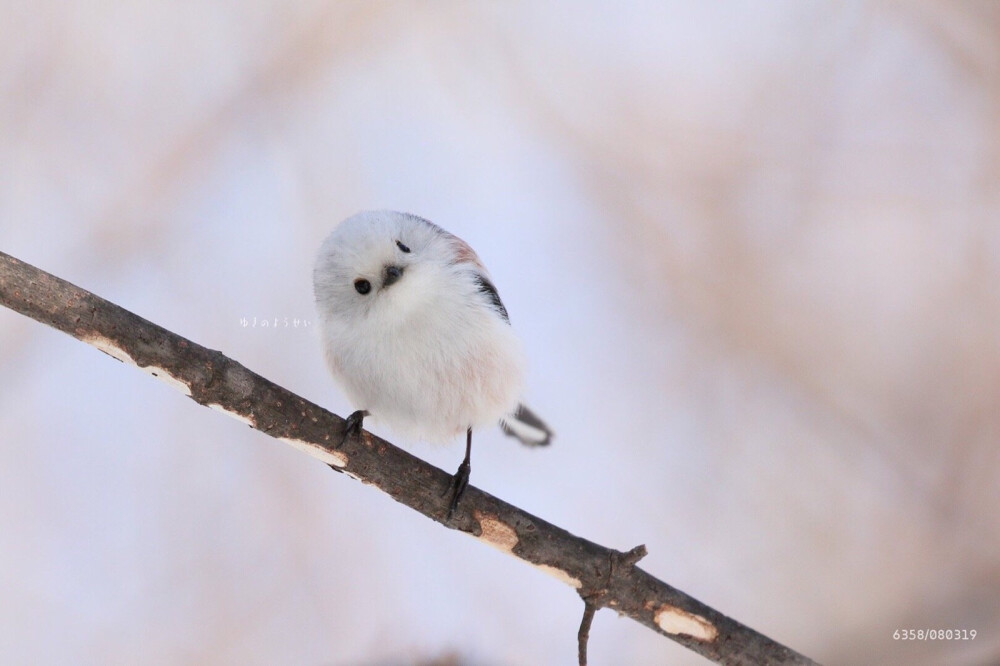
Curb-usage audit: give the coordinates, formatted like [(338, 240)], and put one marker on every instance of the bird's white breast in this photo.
[(431, 365)]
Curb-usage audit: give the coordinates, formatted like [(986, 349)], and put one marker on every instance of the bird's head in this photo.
[(381, 266)]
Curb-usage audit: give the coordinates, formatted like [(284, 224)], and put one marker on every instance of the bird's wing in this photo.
[(487, 289)]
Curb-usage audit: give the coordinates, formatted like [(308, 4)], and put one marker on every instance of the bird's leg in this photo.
[(460, 481), (354, 423)]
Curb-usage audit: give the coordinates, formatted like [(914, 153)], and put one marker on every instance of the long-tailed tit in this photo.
[(416, 334)]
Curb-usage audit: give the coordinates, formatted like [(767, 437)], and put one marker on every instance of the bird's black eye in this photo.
[(402, 247), (362, 285)]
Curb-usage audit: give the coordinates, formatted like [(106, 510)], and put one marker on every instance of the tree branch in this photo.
[(604, 578)]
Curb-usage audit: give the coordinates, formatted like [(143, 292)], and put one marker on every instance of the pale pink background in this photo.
[(753, 250)]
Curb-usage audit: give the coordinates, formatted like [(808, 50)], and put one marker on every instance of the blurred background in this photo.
[(753, 250)]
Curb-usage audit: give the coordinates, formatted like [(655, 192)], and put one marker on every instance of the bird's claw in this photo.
[(353, 425), (457, 487)]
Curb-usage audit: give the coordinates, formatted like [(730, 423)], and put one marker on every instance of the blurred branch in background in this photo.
[(794, 212), (604, 578)]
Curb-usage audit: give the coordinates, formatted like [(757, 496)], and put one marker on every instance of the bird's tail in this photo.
[(525, 425)]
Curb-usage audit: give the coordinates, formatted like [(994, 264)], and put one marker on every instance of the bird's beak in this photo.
[(391, 275)]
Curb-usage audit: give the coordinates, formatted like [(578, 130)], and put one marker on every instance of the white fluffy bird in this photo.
[(416, 334)]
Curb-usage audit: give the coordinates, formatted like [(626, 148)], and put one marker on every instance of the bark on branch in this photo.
[(603, 577)]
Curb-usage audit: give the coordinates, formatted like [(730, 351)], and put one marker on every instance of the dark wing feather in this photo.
[(525, 425), (487, 289)]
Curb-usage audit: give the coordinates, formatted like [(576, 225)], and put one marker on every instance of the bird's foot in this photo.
[(353, 426), (457, 487)]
